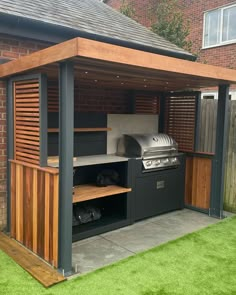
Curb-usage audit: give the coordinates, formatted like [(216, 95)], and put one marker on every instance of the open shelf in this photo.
[(85, 192), (99, 129)]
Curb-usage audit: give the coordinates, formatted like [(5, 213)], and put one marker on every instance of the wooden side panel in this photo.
[(180, 112), (34, 210), (27, 121), (198, 182), (13, 200)]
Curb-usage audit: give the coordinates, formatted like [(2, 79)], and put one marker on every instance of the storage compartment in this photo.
[(112, 200), (113, 215), (159, 191)]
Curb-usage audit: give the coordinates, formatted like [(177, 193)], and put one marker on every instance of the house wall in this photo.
[(224, 56), (144, 9)]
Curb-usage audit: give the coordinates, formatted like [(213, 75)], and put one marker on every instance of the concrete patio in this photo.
[(104, 249)]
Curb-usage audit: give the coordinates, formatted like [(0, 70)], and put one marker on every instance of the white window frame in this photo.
[(232, 93), (221, 42)]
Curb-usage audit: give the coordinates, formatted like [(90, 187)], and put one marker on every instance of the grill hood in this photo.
[(147, 145)]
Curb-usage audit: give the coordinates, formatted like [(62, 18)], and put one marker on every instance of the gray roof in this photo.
[(92, 17)]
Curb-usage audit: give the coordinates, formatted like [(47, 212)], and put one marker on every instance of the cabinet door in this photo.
[(158, 193)]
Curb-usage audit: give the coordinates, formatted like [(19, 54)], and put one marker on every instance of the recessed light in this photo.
[(86, 73), (145, 86), (117, 76), (122, 83), (95, 81)]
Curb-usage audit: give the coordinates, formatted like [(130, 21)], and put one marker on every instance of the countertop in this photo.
[(89, 160)]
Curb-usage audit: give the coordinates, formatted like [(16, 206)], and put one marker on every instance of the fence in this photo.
[(206, 143)]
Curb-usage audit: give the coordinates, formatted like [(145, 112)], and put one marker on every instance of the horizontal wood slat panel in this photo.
[(180, 113), (27, 120), (34, 203), (24, 119), (35, 143), (32, 147), (27, 132), (34, 138), (29, 95), (25, 150), (27, 160), (27, 128), (198, 182), (26, 100), (29, 107), (147, 104)]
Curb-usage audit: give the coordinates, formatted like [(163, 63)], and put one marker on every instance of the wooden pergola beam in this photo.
[(86, 49), (43, 57), (117, 54)]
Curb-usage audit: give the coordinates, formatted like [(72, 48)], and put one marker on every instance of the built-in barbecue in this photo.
[(158, 151), (159, 173)]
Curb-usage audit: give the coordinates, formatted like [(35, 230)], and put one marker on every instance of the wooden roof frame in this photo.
[(104, 52)]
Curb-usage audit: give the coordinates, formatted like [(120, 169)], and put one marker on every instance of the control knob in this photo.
[(149, 163)]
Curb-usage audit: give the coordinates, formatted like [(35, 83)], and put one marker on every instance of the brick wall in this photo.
[(10, 48), (224, 56), (144, 9)]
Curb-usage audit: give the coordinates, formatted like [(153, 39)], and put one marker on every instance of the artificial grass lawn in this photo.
[(203, 262)]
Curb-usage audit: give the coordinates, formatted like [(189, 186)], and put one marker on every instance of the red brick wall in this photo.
[(144, 9), (224, 56), (10, 48)]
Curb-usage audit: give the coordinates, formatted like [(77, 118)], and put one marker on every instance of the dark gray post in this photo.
[(218, 164), (161, 126), (66, 143), (10, 147)]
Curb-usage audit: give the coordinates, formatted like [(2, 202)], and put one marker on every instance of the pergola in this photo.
[(91, 62)]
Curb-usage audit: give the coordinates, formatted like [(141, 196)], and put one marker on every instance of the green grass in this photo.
[(203, 263)]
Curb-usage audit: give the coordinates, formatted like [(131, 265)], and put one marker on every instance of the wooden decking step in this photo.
[(41, 271)]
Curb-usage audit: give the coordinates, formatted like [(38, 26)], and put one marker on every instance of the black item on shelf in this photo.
[(84, 213), (107, 177)]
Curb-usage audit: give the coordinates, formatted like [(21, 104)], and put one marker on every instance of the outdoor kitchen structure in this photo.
[(56, 151)]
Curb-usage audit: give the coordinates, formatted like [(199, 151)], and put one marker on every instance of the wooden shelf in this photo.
[(87, 192), (99, 129)]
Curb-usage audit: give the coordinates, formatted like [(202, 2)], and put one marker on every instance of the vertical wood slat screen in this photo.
[(34, 209), (27, 120), (146, 104), (180, 118)]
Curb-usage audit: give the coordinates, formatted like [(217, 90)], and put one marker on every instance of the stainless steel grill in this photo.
[(158, 151)]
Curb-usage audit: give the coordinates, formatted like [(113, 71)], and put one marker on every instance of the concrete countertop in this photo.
[(91, 160)]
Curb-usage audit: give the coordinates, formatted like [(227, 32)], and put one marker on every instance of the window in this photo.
[(220, 26)]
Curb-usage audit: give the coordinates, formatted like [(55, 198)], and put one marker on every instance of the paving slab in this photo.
[(96, 253)]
